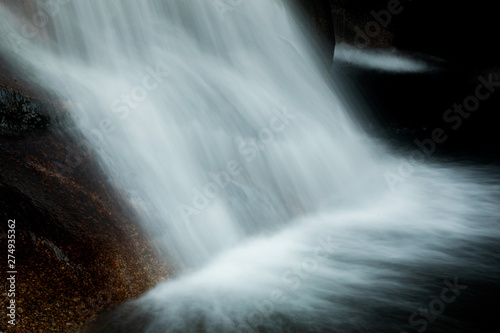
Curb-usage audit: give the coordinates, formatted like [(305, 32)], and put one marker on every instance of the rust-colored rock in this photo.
[(79, 250)]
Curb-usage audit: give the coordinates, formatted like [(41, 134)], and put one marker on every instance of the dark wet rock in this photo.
[(355, 24), (79, 248), (19, 114), (463, 33), (320, 21)]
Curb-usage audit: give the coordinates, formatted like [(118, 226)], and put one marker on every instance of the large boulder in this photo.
[(79, 249)]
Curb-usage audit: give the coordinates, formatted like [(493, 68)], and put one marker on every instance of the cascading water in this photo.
[(245, 166)]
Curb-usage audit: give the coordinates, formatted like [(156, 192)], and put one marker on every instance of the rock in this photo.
[(462, 33), (355, 24), (19, 115), (320, 21), (79, 249)]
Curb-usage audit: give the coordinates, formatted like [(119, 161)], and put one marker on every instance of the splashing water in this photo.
[(248, 169)]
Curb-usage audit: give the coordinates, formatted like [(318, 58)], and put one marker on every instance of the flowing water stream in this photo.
[(247, 167)]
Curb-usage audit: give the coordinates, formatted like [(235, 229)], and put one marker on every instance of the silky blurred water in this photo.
[(215, 119)]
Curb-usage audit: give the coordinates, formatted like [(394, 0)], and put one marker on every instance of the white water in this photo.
[(187, 87), (385, 60)]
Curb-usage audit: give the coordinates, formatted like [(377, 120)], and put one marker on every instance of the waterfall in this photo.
[(215, 114), (247, 167)]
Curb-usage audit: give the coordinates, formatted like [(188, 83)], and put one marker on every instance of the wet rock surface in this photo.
[(79, 248), (461, 33)]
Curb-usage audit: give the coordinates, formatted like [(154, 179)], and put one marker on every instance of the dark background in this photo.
[(463, 39)]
